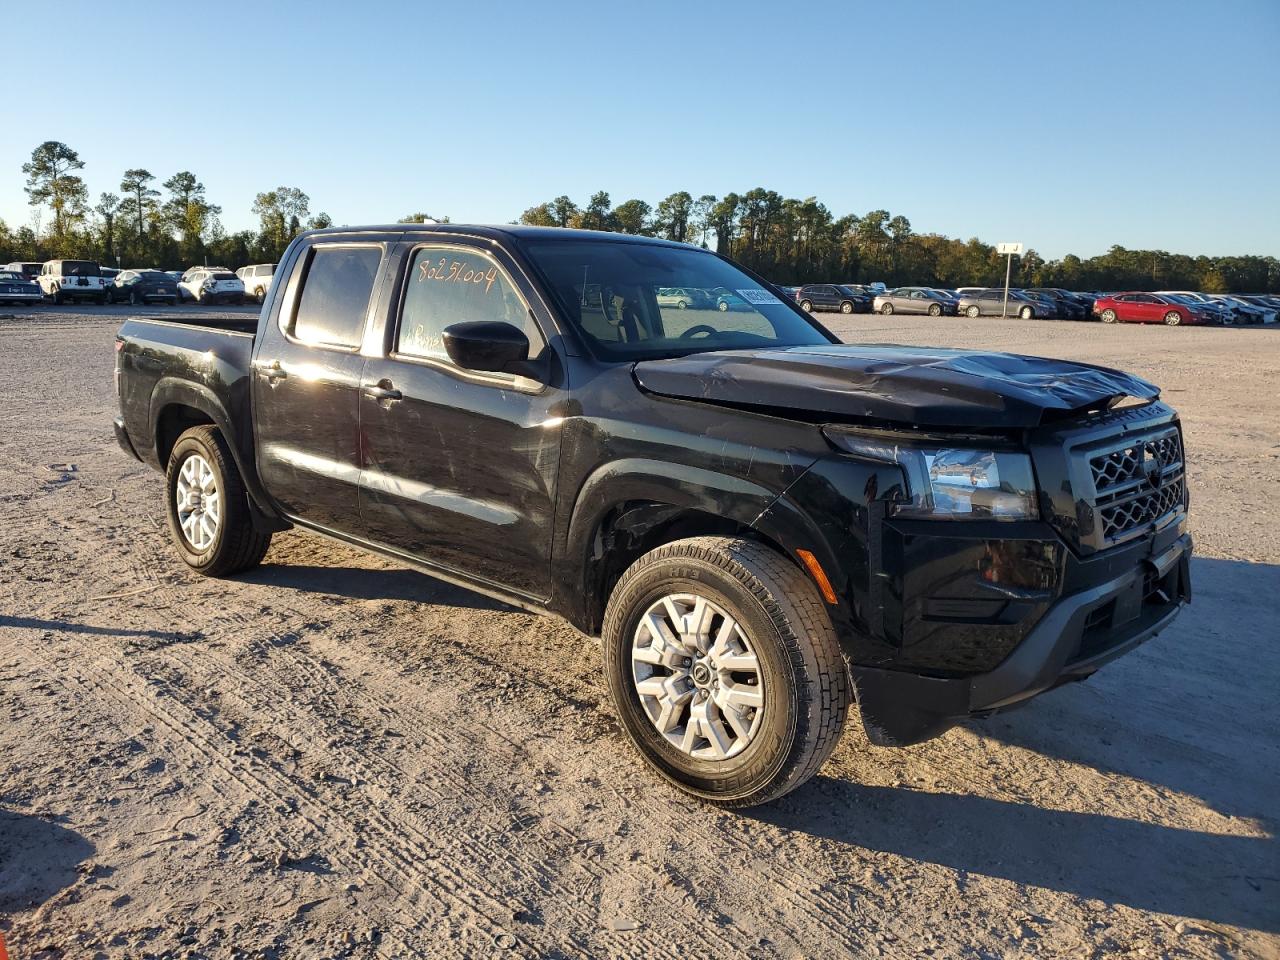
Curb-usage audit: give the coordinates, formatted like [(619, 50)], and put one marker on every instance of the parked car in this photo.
[(1139, 307), (28, 268), (143, 286), (62, 280), (684, 298), (1213, 311), (755, 518), (185, 276), (17, 287), (832, 296), (991, 303), (1245, 310), (1066, 304), (257, 279), (727, 300), (212, 286), (1269, 303), (915, 300)]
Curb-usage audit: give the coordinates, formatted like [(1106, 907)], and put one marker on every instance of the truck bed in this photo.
[(238, 322)]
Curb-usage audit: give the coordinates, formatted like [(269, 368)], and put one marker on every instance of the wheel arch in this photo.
[(628, 508), (177, 406)]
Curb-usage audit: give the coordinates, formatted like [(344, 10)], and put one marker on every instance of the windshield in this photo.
[(610, 292)]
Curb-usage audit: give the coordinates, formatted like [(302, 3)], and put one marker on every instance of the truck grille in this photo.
[(1137, 483)]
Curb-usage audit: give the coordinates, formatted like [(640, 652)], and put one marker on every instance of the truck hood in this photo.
[(920, 386)]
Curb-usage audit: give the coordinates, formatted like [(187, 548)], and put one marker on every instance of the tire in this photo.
[(133, 298), (259, 295), (846, 307), (233, 544), (972, 312), (57, 297), (1109, 316), (723, 306), (935, 309), (806, 306), (1172, 319), (1026, 313), (886, 309), (799, 671)]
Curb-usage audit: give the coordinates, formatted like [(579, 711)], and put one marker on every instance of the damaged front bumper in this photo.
[(1079, 633)]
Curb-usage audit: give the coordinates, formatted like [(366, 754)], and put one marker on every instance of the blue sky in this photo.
[(1068, 126)]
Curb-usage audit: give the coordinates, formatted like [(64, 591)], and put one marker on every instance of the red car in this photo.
[(1146, 308)]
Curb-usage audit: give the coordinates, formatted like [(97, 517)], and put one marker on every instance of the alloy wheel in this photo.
[(697, 677), (199, 503)]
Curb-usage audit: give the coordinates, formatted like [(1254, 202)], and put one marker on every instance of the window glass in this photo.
[(335, 294), (608, 290), (446, 285)]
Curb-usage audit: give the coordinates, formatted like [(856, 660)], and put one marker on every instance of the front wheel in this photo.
[(972, 312), (723, 306), (208, 508), (259, 295), (1109, 316), (806, 306), (1172, 318), (846, 307), (1026, 313), (886, 310), (935, 310), (725, 669)]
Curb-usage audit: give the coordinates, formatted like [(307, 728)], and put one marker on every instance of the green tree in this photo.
[(281, 213), (51, 181), (596, 215), (139, 201), (632, 216), (543, 215), (564, 211), (672, 216), (107, 209), (188, 212)]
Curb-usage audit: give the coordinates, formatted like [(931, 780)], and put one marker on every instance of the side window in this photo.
[(335, 294), (447, 285)]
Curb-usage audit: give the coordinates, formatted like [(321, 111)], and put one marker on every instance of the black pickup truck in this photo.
[(762, 524)]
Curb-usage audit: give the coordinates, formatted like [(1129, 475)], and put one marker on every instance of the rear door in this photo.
[(306, 384), (460, 466)]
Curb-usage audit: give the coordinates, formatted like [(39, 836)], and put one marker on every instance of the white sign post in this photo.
[(1008, 251)]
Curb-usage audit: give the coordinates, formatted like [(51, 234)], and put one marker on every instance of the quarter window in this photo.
[(335, 294), (446, 285)]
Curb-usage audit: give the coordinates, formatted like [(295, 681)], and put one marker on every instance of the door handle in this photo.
[(274, 371), (382, 390)]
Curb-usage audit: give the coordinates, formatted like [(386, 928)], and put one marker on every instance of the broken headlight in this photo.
[(953, 483)]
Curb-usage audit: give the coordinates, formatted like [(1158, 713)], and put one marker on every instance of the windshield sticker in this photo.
[(757, 295)]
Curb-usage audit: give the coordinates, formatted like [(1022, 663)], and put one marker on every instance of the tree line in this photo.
[(794, 241), (149, 222), (171, 223)]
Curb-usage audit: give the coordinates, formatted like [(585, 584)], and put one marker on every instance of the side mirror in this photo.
[(492, 346)]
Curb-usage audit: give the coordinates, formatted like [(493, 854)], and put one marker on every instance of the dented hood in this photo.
[(923, 386)]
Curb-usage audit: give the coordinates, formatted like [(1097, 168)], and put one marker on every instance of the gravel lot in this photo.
[(334, 756)]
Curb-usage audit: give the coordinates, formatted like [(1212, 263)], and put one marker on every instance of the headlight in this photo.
[(953, 483)]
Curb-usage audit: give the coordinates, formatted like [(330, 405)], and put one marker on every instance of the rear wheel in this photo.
[(1026, 313), (725, 670), (846, 307), (208, 508), (886, 309), (971, 312), (133, 298), (57, 296), (935, 309), (806, 306), (1172, 318), (1109, 316)]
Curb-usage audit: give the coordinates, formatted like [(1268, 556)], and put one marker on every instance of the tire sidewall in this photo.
[(184, 449), (769, 750)]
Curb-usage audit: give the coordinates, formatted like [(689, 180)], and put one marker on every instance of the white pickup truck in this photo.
[(63, 280)]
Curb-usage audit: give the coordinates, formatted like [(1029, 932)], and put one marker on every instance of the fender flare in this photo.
[(172, 391)]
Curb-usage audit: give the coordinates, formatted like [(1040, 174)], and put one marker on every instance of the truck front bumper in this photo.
[(1078, 634)]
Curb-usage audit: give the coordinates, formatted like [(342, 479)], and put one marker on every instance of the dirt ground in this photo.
[(338, 757)]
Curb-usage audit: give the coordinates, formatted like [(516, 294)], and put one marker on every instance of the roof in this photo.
[(501, 231)]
